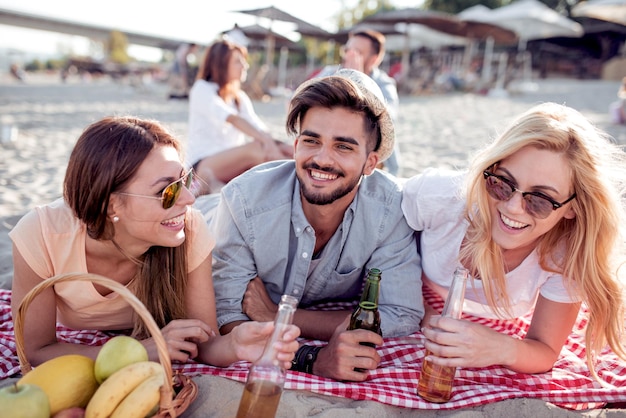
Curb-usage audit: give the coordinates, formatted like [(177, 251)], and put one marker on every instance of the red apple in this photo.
[(24, 401), (75, 412)]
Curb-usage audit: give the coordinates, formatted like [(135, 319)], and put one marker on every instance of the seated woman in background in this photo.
[(538, 220), (221, 116), (126, 215)]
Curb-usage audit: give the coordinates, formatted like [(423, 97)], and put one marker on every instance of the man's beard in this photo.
[(317, 198)]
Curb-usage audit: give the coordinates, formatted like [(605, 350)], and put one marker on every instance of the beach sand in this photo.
[(443, 130)]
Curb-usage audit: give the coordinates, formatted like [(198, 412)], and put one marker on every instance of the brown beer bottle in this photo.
[(365, 315), (435, 383), (266, 377)]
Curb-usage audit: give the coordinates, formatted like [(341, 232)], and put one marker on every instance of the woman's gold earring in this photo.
[(116, 219)]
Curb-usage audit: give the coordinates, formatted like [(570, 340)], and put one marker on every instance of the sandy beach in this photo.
[(47, 117)]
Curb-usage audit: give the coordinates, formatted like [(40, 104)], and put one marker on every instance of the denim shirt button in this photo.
[(298, 230), (305, 255)]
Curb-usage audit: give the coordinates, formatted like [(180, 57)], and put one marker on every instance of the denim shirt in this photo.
[(261, 230)]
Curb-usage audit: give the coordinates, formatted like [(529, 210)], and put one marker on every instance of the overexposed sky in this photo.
[(197, 20)]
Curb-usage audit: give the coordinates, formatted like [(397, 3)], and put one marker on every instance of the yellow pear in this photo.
[(116, 353), (68, 381)]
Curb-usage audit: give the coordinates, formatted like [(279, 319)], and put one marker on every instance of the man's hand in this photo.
[(344, 353), (257, 303), (249, 339), (353, 59)]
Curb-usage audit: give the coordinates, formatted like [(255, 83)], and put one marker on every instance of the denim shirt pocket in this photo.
[(335, 285)]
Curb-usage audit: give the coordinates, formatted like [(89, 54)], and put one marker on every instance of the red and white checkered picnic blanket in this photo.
[(568, 385)]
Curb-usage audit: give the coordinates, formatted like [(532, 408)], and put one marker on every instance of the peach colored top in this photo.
[(52, 241)]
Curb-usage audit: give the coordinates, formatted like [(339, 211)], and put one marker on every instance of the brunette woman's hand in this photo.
[(182, 337)]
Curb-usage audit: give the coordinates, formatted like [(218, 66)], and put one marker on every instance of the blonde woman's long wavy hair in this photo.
[(593, 240)]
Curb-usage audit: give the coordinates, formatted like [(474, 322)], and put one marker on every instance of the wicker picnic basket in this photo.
[(175, 397)]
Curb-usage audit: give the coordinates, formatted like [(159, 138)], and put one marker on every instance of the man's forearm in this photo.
[(318, 325), (227, 328)]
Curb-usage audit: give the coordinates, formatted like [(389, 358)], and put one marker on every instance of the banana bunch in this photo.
[(132, 391)]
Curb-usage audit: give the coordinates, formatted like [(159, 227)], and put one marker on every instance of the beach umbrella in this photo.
[(481, 14), (478, 26), (530, 19), (608, 10), (256, 34), (272, 13), (440, 21), (447, 23)]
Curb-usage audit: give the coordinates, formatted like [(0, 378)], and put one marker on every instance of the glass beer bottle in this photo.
[(266, 377), (435, 382), (366, 315)]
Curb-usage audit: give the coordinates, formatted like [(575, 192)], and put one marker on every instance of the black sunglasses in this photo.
[(536, 204), (171, 193)]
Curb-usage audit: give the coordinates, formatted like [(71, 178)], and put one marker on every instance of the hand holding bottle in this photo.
[(345, 353), (266, 376), (249, 340), (461, 343), (436, 381)]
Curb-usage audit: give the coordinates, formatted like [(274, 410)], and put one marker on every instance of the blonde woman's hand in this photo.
[(461, 343), (182, 337), (249, 339)]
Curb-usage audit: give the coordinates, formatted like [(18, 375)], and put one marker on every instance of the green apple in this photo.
[(117, 353), (24, 401)]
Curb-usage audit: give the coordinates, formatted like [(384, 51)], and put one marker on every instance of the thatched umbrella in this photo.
[(273, 14)]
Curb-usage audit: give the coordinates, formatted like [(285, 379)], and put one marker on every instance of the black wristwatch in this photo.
[(304, 358)]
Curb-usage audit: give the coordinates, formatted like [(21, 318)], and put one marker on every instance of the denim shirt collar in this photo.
[(299, 221)]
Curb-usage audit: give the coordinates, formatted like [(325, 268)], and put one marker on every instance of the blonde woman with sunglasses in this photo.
[(538, 221), (126, 214)]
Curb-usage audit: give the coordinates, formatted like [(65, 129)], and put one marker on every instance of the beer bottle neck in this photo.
[(453, 307), (284, 317), (369, 298)]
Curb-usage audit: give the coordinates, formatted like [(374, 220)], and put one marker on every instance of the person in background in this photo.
[(180, 75), (312, 227), (539, 221), (617, 109), (364, 51), (221, 118), (126, 214)]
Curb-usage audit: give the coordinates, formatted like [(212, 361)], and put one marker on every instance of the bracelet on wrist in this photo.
[(305, 358)]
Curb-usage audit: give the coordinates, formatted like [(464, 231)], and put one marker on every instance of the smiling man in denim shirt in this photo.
[(312, 227)]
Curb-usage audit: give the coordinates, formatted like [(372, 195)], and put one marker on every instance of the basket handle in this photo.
[(133, 301)]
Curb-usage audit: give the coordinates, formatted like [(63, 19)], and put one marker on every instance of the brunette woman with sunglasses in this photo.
[(126, 214), (538, 221)]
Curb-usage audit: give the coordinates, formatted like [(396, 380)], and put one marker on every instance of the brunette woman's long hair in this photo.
[(105, 158), (214, 66)]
